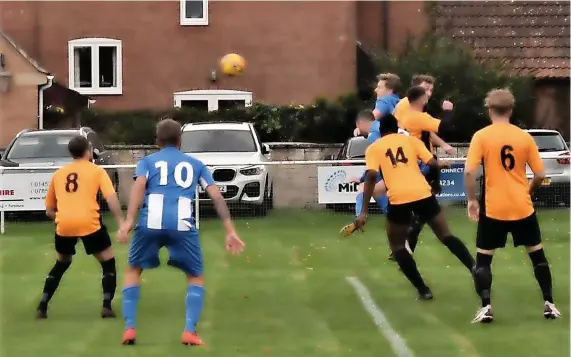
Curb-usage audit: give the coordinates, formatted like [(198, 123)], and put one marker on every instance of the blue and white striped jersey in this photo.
[(172, 179)]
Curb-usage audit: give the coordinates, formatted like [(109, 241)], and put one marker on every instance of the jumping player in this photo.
[(166, 182), (506, 207), (430, 140), (71, 202), (409, 193)]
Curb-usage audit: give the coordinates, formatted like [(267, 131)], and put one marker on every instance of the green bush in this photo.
[(460, 78), (322, 122)]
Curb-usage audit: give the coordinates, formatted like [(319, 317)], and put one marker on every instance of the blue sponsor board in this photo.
[(452, 183)]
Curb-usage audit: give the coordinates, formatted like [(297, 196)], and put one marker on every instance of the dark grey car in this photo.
[(48, 148)]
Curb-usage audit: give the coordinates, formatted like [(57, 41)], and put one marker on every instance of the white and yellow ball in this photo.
[(232, 64)]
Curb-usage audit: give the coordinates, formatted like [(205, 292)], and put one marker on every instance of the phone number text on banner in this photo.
[(24, 191), (335, 185)]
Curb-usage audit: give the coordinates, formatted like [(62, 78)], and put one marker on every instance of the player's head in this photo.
[(364, 121), (500, 104), (168, 133), (389, 125), (426, 81), (417, 97), (80, 148), (387, 83)]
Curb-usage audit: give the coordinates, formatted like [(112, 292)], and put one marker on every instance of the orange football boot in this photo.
[(129, 337), (191, 338)]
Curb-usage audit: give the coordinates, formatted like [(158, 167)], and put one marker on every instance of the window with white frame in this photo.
[(193, 12), (95, 66), (213, 99)]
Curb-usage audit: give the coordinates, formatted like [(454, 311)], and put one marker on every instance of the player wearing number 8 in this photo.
[(72, 202), (506, 207), (166, 183)]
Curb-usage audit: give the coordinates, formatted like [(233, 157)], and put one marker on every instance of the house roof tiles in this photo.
[(533, 36)]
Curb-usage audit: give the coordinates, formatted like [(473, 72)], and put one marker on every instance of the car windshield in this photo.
[(357, 148), (549, 142), (40, 146), (218, 141)]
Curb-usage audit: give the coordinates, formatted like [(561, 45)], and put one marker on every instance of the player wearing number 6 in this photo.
[(71, 201), (505, 150), (166, 183)]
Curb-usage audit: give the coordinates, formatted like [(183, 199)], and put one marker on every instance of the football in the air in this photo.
[(232, 64)]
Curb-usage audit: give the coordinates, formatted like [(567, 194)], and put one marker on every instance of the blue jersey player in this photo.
[(166, 183)]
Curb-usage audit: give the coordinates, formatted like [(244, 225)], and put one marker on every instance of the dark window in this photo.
[(40, 146), (194, 9), (107, 66), (549, 142), (195, 104), (218, 141), (357, 148), (82, 67), (231, 104)]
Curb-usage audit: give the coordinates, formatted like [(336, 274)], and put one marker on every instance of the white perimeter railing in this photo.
[(30, 170)]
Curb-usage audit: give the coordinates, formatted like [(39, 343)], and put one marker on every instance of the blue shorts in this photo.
[(184, 249)]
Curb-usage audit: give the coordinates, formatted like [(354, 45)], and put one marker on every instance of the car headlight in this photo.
[(251, 171)]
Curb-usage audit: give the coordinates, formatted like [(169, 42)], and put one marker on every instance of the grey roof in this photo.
[(23, 53)]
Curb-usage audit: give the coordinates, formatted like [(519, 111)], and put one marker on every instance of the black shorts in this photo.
[(93, 243), (425, 210), (493, 233)]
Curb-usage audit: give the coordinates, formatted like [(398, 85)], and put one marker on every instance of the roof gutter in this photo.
[(41, 101)]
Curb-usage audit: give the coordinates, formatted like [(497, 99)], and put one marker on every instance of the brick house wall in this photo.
[(19, 106), (295, 51)]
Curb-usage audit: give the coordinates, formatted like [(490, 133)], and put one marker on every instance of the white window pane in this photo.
[(194, 9), (82, 67), (107, 66)]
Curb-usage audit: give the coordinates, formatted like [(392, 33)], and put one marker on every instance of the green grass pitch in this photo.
[(287, 296)]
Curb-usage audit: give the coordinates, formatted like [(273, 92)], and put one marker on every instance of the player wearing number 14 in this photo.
[(166, 182)]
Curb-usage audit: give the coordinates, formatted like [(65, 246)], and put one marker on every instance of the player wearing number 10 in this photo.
[(166, 182), (505, 150)]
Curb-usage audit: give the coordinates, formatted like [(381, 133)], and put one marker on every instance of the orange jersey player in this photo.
[(506, 207), (409, 194), (72, 202)]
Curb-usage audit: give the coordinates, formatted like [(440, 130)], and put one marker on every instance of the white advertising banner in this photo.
[(334, 184), (24, 191)]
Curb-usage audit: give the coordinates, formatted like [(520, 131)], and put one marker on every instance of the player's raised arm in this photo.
[(51, 200), (233, 243), (473, 161), (417, 97), (426, 156), (535, 164)]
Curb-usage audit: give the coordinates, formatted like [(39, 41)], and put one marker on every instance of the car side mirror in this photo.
[(96, 154), (265, 149)]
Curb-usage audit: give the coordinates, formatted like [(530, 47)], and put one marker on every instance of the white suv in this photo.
[(235, 156)]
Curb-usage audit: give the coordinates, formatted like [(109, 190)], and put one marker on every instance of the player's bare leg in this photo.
[(108, 280), (131, 289), (51, 284), (440, 228), (542, 274), (483, 284), (194, 302), (397, 241)]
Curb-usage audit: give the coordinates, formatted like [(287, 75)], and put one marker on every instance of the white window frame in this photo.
[(94, 44), (212, 96), (184, 21)]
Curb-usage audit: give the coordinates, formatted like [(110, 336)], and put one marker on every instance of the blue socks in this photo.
[(194, 302), (358, 204), (382, 202), (130, 299)]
